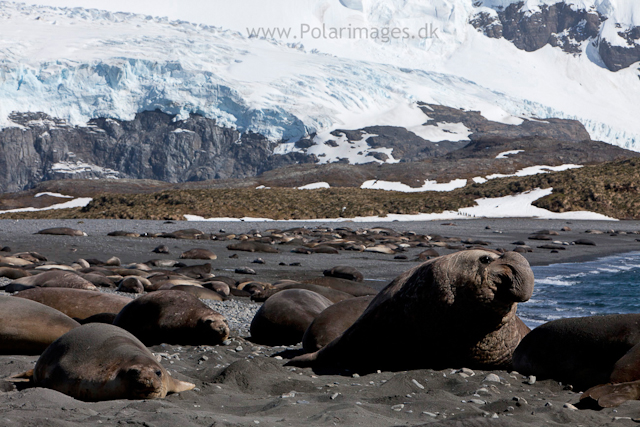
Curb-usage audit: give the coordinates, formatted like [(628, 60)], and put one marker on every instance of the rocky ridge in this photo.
[(157, 146)]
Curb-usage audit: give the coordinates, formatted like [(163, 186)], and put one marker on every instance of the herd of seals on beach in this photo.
[(457, 310)]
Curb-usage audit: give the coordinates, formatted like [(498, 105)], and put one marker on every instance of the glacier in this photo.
[(77, 64)]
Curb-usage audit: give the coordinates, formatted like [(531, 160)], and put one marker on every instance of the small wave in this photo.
[(555, 281)]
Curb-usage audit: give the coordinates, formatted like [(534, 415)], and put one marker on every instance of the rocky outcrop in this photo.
[(560, 25), (155, 146), (620, 57), (152, 146)]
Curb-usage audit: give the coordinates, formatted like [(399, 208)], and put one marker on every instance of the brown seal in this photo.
[(52, 279), (172, 317), (28, 327), (76, 303), (331, 294), (198, 253), (587, 352), (252, 246), (333, 321), (457, 310), (284, 317), (344, 272), (62, 231), (349, 286), (98, 362)]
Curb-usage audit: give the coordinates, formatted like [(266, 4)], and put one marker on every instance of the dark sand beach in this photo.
[(243, 384)]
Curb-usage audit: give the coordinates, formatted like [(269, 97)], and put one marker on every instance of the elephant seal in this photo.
[(199, 292), (62, 231), (98, 362), (457, 310), (172, 317), (344, 272), (252, 246), (331, 294), (349, 286), (333, 321), (28, 327), (54, 279), (13, 273), (284, 317), (198, 253), (588, 353), (76, 303)]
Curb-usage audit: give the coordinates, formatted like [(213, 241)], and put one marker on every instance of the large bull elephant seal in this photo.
[(102, 362), (28, 327), (587, 352), (458, 310), (172, 317)]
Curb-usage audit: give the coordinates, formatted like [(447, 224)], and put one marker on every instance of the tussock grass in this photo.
[(611, 189)]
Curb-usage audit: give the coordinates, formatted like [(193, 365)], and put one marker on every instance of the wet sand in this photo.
[(242, 384)]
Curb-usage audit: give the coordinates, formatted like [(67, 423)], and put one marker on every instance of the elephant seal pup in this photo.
[(457, 310), (172, 317), (76, 303), (284, 317), (62, 231), (28, 327), (587, 352), (98, 362), (333, 321)]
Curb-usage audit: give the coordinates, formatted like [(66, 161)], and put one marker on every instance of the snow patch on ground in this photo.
[(517, 206), (80, 202), (535, 170), (504, 154), (375, 184), (69, 167), (358, 152), (315, 186), (53, 195)]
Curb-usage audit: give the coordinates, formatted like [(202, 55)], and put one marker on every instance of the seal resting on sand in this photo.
[(76, 303), (285, 316), (333, 321), (172, 317), (601, 352), (457, 310), (102, 362), (28, 327)]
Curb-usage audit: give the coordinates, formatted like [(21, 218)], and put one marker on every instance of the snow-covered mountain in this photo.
[(296, 69), (79, 64)]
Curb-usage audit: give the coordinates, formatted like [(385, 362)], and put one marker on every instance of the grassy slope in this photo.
[(610, 189)]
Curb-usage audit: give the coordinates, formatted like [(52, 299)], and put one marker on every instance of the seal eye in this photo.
[(485, 259), (159, 373)]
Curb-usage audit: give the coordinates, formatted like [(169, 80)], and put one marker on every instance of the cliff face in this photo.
[(559, 25), (152, 146)]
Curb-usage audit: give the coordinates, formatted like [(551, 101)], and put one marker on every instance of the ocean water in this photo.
[(608, 285)]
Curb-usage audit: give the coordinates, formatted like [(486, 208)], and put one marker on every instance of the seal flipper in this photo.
[(23, 377), (612, 395), (177, 386), (303, 361)]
